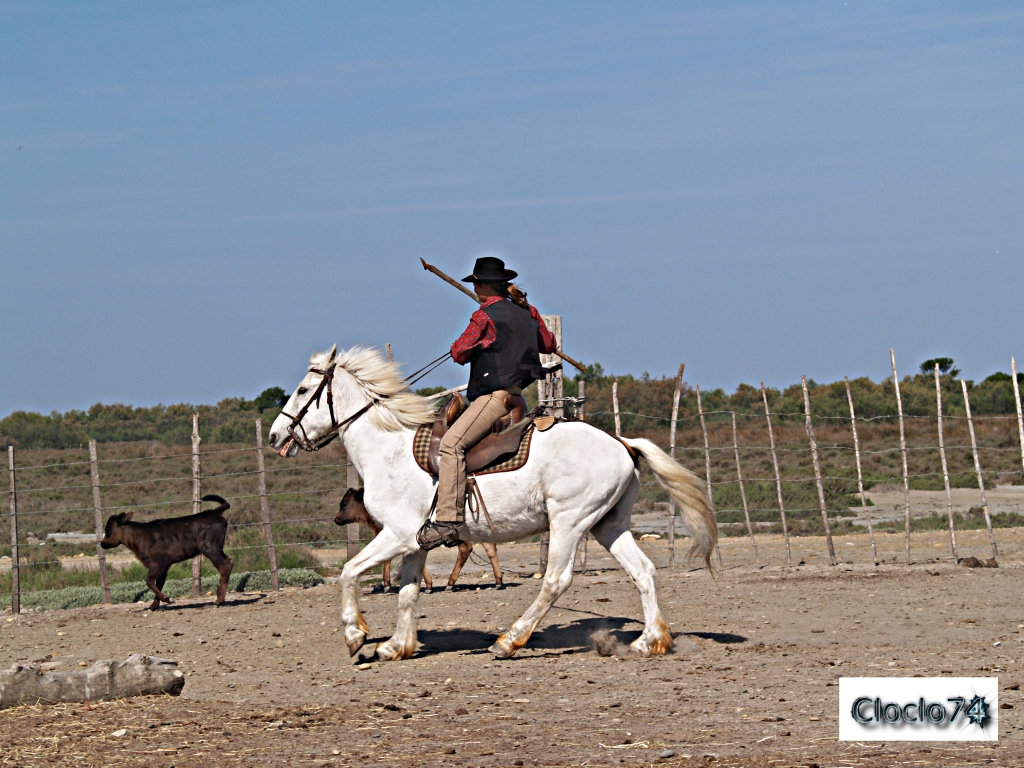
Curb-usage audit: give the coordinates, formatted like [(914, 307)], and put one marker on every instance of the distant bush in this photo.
[(230, 421)]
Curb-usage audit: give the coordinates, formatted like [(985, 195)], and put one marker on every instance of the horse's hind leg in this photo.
[(465, 548), (492, 554), (613, 533), (557, 579), (402, 645)]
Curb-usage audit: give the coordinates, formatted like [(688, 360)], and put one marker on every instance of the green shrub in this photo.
[(134, 592)]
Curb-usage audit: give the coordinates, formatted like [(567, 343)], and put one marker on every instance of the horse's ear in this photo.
[(128, 515), (331, 357)]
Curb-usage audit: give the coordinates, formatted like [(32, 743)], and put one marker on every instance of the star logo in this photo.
[(977, 711)]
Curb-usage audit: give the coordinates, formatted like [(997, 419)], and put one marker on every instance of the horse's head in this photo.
[(310, 413), (338, 390)]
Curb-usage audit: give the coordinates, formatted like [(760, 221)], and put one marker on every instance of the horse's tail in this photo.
[(688, 491)]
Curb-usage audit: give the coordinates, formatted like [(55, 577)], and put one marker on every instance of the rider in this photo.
[(502, 346)]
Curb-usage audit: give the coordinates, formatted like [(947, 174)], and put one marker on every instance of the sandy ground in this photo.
[(752, 682)]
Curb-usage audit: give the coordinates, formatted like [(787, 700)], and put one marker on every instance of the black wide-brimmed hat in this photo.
[(489, 269)]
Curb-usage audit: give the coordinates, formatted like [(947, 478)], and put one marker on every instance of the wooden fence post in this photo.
[(197, 501), (945, 468), (672, 453), (15, 558), (903, 451), (97, 506), (615, 408), (977, 469), (551, 389), (707, 461), (581, 551), (352, 529), (860, 475), (261, 475), (391, 356), (778, 476), (817, 471), (1016, 397), (743, 493)]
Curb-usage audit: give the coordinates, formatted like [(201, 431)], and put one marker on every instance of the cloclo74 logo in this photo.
[(919, 708)]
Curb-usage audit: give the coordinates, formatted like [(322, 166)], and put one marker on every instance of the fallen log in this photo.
[(138, 675)]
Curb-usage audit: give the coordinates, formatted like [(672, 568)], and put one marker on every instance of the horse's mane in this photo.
[(379, 379)]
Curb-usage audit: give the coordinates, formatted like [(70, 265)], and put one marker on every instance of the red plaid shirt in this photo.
[(481, 334)]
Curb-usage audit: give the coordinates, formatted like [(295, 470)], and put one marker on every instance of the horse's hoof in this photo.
[(500, 653), (169, 601), (499, 585), (391, 651), (354, 641)]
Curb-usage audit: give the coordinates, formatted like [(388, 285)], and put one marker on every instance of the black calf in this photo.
[(159, 544)]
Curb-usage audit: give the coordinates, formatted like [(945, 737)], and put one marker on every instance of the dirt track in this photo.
[(752, 681)]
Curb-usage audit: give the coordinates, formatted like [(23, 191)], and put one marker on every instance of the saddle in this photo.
[(504, 441)]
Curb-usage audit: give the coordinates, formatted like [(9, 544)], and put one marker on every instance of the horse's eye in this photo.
[(302, 390)]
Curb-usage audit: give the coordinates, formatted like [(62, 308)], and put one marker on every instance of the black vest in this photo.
[(513, 359)]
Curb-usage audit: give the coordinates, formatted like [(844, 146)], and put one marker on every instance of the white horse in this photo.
[(578, 479)]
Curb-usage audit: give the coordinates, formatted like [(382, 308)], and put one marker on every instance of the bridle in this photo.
[(336, 426)]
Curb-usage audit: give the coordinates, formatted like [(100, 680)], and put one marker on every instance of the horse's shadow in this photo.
[(723, 638), (571, 637)]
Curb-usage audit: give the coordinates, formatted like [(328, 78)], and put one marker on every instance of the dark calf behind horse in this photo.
[(159, 544), (352, 510)]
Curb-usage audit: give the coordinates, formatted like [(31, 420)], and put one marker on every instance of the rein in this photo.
[(336, 426)]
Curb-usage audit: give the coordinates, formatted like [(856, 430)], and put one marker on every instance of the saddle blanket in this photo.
[(421, 448)]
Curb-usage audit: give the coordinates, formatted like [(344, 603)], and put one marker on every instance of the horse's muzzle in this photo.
[(289, 449)]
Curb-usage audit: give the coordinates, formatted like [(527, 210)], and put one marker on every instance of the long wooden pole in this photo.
[(860, 475), (581, 413), (903, 452), (817, 471), (977, 469), (15, 558), (261, 474), (672, 453), (778, 476), (945, 468), (707, 460), (391, 355), (743, 493), (197, 501), (1016, 397), (97, 506), (451, 281)]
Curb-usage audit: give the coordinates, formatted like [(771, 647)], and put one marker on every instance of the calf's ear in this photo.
[(128, 515)]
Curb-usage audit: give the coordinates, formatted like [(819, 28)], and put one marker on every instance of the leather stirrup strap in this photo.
[(475, 500)]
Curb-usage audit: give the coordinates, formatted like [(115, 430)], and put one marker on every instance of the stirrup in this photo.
[(433, 535)]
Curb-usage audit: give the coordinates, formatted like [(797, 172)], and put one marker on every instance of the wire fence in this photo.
[(792, 473)]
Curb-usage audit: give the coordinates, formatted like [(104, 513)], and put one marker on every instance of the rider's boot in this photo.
[(434, 534)]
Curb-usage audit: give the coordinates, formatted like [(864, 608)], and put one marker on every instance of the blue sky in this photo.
[(204, 194)]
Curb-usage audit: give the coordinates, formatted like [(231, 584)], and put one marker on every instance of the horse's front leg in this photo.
[(384, 547), (402, 644)]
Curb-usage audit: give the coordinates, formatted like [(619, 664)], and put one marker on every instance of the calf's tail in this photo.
[(687, 491), (224, 506)]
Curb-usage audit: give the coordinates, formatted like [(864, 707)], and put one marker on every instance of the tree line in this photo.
[(231, 420)]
